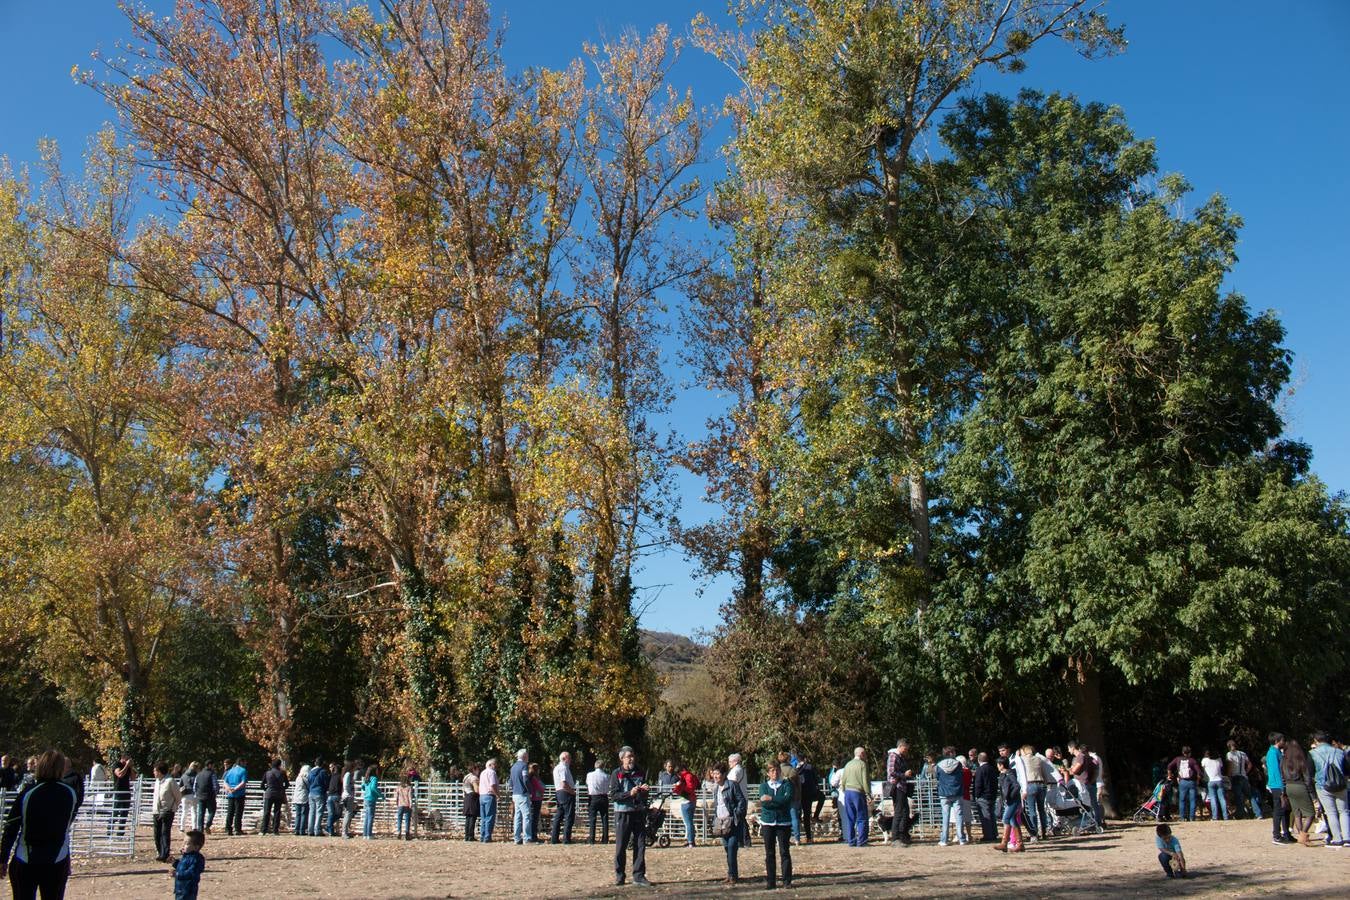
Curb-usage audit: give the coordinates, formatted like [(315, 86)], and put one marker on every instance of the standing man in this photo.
[(1083, 768), (122, 776), (274, 798), (521, 823), (628, 792), (167, 793), (985, 790), (1034, 772), (1329, 777), (565, 794), (236, 785), (1279, 816), (205, 789), (899, 769), (811, 797), (597, 800), (1239, 775), (736, 773), (487, 801), (855, 784)]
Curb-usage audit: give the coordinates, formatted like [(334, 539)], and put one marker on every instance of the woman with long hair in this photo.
[(1298, 778)]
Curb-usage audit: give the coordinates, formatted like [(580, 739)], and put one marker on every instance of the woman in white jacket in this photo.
[(300, 801)]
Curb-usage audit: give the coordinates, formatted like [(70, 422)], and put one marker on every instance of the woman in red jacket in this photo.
[(687, 787)]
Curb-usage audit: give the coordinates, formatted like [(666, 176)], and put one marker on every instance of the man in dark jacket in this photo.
[(275, 783), (985, 791), (628, 791), (206, 788)]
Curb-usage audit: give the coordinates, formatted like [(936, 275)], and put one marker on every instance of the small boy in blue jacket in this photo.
[(187, 871)]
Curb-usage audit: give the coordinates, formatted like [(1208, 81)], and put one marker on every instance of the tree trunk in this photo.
[(1087, 710)]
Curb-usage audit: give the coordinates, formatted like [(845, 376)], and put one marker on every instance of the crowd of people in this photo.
[(1009, 798)]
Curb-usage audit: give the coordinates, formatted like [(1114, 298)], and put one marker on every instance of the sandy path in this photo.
[(1230, 859)]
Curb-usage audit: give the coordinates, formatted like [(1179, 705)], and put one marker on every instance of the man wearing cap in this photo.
[(628, 793)]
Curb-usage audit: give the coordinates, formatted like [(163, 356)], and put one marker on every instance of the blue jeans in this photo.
[(731, 844), (403, 820), (1337, 813), (856, 804), (521, 821), (368, 820), (487, 811), (952, 809), (1033, 809), (1243, 795), (1218, 801), (334, 813), (316, 812), (1187, 797), (796, 823), (301, 822), (688, 814)]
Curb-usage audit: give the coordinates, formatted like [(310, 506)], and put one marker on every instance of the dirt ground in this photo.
[(1229, 859)]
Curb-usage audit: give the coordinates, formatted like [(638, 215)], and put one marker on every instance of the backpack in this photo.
[(1333, 778)]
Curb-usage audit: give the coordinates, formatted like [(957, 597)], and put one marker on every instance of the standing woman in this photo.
[(729, 806), (470, 787), (300, 800), (536, 795), (370, 799), (1298, 779), (37, 829), (775, 818), (334, 798)]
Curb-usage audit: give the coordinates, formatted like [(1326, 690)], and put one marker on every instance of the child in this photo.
[(1169, 851), (403, 799), (1011, 792), (187, 872)]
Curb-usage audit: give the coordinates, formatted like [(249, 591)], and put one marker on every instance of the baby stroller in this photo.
[(656, 818), (1155, 806), (1076, 813)]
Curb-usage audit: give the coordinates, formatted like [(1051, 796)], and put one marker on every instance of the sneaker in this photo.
[(1277, 840), (618, 882), (641, 881)]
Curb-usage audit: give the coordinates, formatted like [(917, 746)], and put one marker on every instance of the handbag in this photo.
[(724, 827)]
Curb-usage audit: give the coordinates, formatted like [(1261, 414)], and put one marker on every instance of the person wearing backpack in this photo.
[(1185, 770), (1329, 777), (187, 786)]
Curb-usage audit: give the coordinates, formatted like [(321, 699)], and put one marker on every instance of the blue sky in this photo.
[(1245, 98)]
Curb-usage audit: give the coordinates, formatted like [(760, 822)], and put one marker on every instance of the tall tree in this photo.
[(97, 532), (1132, 507), (227, 102)]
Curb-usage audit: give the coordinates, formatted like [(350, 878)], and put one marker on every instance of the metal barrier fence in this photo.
[(105, 823)]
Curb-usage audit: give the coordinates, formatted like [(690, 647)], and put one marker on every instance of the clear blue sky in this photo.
[(1248, 99)]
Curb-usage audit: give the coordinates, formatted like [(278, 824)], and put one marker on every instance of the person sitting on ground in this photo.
[(1169, 852), (776, 802), (187, 871)]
